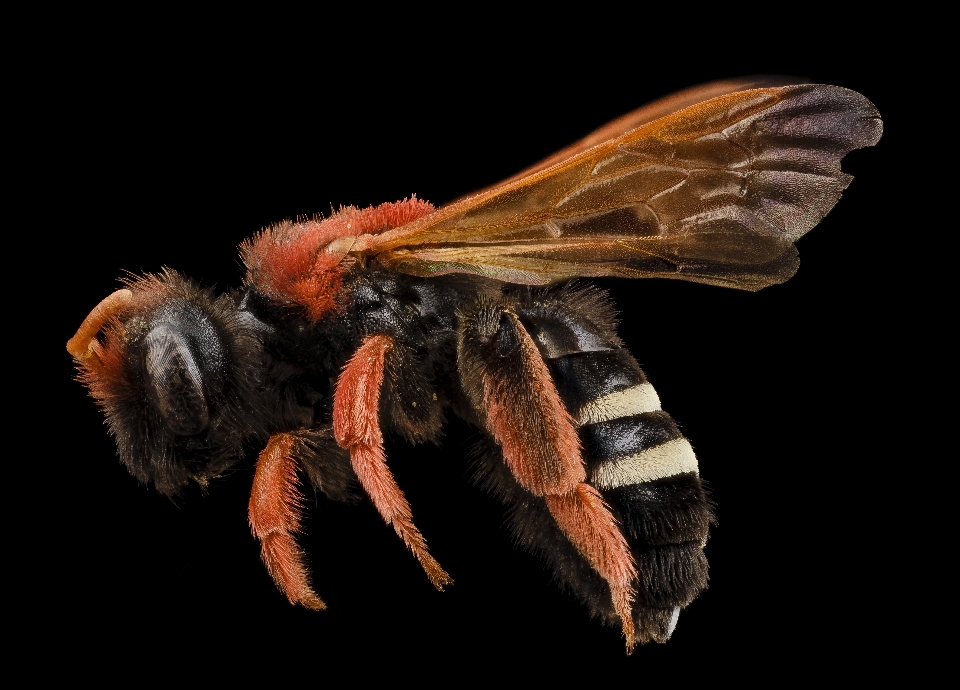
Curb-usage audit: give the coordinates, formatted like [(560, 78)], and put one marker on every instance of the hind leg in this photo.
[(632, 452), (510, 385)]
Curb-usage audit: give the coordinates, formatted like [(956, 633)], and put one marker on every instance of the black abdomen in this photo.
[(635, 455)]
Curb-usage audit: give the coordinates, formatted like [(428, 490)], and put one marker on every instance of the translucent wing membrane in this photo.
[(714, 193), (657, 109)]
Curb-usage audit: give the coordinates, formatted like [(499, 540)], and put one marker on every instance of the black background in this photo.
[(169, 149)]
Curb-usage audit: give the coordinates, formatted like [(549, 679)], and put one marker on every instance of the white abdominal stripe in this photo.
[(622, 403), (666, 460), (631, 440)]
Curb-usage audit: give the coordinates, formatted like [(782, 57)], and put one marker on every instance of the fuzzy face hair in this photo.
[(178, 381)]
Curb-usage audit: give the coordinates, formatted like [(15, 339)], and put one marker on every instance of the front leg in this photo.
[(356, 427), (509, 384), (275, 514)]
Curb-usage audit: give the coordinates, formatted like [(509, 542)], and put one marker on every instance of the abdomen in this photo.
[(634, 453), (647, 472)]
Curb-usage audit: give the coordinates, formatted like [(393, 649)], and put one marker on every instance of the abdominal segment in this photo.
[(634, 455)]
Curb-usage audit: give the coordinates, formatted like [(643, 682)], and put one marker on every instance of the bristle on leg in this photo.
[(356, 427), (275, 518), (591, 527), (527, 418)]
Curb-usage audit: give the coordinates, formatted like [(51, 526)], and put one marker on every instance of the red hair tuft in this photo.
[(288, 261)]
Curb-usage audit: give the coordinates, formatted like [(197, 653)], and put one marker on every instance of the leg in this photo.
[(510, 385), (275, 518), (636, 458), (356, 427)]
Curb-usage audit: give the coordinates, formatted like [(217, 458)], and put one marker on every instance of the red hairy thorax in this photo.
[(303, 262)]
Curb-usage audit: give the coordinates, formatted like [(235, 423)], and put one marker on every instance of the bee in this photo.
[(385, 320)]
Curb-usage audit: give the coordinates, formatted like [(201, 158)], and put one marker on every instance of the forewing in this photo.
[(654, 111), (717, 193)]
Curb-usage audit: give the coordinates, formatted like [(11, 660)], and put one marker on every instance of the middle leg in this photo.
[(356, 427)]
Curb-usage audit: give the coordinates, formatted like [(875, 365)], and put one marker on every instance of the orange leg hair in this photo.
[(356, 427), (540, 446), (274, 513)]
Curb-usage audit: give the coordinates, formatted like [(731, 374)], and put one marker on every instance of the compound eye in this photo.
[(175, 381)]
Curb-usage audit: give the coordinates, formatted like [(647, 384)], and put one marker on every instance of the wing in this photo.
[(716, 193), (654, 111)]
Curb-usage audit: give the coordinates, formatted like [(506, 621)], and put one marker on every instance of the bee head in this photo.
[(175, 370)]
